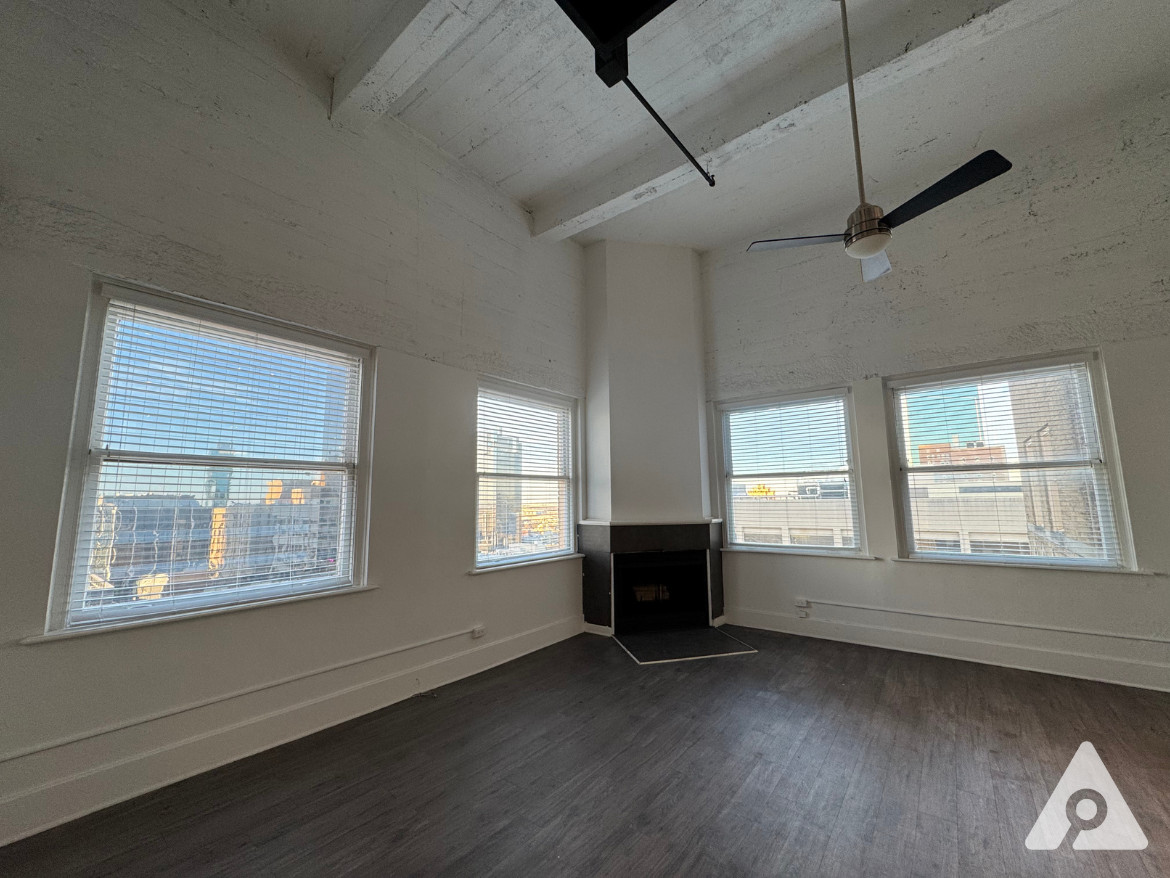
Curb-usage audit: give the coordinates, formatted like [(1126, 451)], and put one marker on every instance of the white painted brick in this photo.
[(145, 143), (1068, 252)]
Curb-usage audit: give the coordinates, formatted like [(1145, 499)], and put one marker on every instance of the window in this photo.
[(1010, 464), (813, 536), (525, 477), (998, 546), (789, 474), (218, 462), (938, 542)]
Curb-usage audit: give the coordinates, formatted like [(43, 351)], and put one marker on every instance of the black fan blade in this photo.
[(781, 243), (985, 166)]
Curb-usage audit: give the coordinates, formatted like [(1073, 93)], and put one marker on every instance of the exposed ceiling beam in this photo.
[(776, 101), (404, 45)]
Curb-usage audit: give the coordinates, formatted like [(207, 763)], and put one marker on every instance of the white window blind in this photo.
[(788, 474), (221, 468), (1008, 465), (525, 478)]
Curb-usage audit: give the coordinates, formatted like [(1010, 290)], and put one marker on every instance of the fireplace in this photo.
[(651, 577), (660, 590)]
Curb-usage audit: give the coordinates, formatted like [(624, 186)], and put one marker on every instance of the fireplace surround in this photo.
[(640, 577)]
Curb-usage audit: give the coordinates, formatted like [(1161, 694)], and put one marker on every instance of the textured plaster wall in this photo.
[(1066, 250)]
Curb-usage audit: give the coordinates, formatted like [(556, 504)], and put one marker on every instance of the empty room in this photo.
[(548, 437)]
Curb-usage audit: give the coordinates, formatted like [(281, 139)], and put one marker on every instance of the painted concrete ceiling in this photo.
[(320, 34), (1019, 95), (754, 87)]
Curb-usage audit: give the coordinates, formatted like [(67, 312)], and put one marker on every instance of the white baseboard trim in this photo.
[(603, 630), (719, 621), (58, 800), (1085, 666)]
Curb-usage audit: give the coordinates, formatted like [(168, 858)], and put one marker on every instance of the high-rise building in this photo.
[(1062, 507), (506, 452)]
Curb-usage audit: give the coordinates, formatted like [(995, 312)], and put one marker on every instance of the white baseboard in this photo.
[(719, 621), (54, 799), (1065, 663), (603, 630)]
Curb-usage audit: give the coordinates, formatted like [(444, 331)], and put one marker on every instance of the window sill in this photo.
[(124, 624), (1055, 568), (478, 571), (803, 553)]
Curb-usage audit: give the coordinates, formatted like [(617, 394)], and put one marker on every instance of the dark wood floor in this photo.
[(806, 758)]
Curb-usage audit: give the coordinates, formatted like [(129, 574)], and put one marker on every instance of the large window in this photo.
[(525, 477), (789, 475), (217, 462), (1006, 465)]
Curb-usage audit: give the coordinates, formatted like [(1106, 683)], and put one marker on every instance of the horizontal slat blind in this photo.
[(1008, 464), (168, 523), (175, 384), (789, 476), (524, 455)]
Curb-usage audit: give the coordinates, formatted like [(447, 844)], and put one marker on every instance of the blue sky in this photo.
[(171, 391), (793, 437), (204, 393), (939, 414)]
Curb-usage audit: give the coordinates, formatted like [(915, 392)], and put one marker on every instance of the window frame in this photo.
[(546, 397), (723, 409), (1110, 460), (80, 455)]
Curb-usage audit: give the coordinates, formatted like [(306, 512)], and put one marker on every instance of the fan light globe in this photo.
[(869, 243), (867, 234)]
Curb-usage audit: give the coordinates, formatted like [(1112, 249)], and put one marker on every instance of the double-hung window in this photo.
[(1007, 464), (789, 475), (524, 475), (218, 460)]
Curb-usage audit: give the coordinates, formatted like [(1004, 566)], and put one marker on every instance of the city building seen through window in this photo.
[(1006, 465), (220, 468), (789, 479), (524, 476)]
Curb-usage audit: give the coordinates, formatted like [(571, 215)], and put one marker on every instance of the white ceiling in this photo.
[(1031, 88), (514, 97), (520, 103), (517, 98), (319, 33)]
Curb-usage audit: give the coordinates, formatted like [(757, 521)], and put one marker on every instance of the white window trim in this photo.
[(104, 290), (1103, 413), (536, 394), (723, 445)]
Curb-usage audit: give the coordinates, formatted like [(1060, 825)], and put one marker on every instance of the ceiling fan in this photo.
[(869, 229)]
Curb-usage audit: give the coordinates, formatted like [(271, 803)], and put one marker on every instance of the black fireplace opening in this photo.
[(655, 591)]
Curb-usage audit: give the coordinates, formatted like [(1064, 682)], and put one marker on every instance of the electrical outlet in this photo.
[(802, 602), (477, 631)]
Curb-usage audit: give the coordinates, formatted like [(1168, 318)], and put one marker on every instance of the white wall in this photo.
[(647, 453), (598, 489), (142, 142), (1064, 253)]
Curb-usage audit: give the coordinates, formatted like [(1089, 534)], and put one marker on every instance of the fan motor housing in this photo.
[(867, 234)]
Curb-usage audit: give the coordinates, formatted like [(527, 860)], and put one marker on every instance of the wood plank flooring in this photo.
[(807, 758)]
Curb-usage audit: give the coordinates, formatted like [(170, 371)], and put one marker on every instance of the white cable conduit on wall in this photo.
[(207, 702), (1053, 628)]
